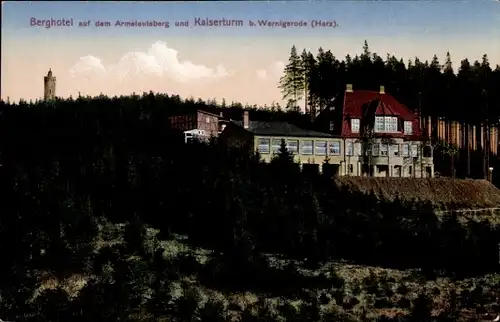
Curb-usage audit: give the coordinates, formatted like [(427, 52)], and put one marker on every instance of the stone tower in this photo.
[(49, 88)]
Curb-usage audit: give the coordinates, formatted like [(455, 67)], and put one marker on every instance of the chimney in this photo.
[(382, 89), (348, 88), (246, 120)]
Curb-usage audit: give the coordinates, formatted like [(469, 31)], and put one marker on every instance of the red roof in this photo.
[(356, 102)]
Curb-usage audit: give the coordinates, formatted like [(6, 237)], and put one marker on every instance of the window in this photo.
[(357, 148), (306, 147), (207, 119), (406, 150), (392, 124), (408, 128), (264, 145), (414, 150), (351, 168), (379, 124), (355, 125), (427, 151), (349, 148), (293, 146), (334, 148), (320, 147), (276, 145), (410, 168), (376, 149), (383, 149), (395, 149), (388, 124)]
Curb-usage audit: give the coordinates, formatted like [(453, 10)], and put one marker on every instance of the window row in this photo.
[(394, 150), (305, 147), (384, 124), (380, 149), (318, 147)]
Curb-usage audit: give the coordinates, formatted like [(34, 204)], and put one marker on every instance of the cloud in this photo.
[(136, 64), (274, 71), (87, 66), (160, 60)]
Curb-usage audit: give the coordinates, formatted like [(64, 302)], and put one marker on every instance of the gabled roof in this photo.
[(362, 104), (387, 105), (208, 113), (279, 129), (385, 109)]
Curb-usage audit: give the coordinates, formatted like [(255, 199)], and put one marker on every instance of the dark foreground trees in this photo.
[(72, 167)]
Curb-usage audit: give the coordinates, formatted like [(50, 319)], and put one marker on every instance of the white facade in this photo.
[(397, 158), (348, 157)]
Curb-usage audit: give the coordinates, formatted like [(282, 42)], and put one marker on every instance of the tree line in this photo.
[(467, 93), (70, 166), (120, 156)]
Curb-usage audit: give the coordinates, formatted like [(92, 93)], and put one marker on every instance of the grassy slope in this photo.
[(367, 291)]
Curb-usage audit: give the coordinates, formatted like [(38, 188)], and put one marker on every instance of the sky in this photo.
[(242, 62)]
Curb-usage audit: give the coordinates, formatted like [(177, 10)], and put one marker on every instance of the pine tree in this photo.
[(328, 78), (448, 68), (284, 160), (284, 155), (485, 62), (435, 63), (309, 69), (449, 81), (292, 82), (371, 78)]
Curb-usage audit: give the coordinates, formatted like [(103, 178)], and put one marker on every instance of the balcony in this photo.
[(387, 160)]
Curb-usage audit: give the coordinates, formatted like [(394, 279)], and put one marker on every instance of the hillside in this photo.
[(108, 216), (332, 290)]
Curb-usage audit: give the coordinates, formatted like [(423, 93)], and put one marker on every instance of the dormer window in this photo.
[(408, 125), (355, 125), (386, 124)]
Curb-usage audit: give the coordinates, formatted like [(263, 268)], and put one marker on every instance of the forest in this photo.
[(466, 93), (108, 216)]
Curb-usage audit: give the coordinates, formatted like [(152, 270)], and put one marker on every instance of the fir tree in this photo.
[(292, 83), (447, 67), (327, 83), (284, 155), (309, 72)]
